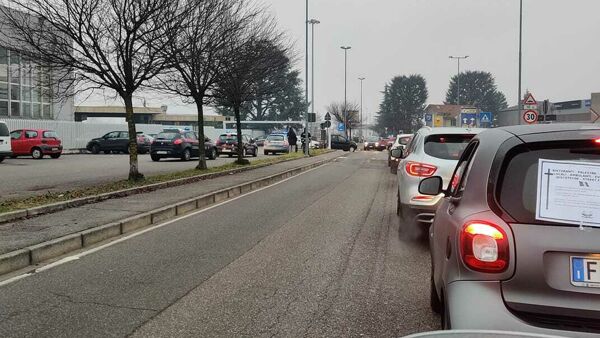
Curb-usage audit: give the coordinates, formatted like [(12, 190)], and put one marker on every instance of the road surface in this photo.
[(317, 255), (24, 176)]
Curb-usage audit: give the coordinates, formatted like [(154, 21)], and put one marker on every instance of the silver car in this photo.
[(497, 264), (276, 144), (432, 151)]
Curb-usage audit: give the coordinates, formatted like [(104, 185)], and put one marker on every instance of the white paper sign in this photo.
[(568, 192)]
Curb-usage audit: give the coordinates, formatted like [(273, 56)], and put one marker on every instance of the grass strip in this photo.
[(54, 197)]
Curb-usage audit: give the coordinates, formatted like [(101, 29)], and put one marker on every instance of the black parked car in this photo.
[(340, 142), (227, 145), (180, 144), (117, 142)]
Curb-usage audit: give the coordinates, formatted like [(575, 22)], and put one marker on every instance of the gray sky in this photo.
[(395, 37)]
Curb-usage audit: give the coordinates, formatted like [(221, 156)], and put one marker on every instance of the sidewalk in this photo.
[(20, 234)]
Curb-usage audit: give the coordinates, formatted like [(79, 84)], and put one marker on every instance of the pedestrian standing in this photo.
[(292, 140)]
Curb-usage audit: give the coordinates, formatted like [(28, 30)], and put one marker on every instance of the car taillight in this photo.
[(484, 247), (286, 143), (178, 141), (420, 169), (597, 141)]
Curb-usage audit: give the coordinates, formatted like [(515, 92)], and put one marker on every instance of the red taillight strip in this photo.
[(420, 169), (492, 232)]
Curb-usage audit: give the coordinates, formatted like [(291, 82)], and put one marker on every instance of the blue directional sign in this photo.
[(428, 117), (485, 117), (341, 127), (468, 119)]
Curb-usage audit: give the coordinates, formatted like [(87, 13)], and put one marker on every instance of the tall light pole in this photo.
[(307, 142), (458, 58), (313, 22), (361, 105), (520, 52), (346, 48)]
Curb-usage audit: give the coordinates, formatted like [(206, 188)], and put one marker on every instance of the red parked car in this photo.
[(35, 143)]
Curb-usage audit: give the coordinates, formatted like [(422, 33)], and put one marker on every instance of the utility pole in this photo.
[(361, 106), (307, 142), (519, 104), (313, 22), (458, 58), (346, 48)]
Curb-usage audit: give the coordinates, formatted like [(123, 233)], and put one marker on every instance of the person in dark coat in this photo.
[(292, 140)]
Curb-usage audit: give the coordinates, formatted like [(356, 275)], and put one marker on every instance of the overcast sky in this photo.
[(561, 59)]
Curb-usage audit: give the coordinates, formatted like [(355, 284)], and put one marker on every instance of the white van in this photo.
[(5, 149)]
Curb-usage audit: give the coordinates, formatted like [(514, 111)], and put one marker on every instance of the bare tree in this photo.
[(197, 53), (113, 44), (337, 110), (255, 51)]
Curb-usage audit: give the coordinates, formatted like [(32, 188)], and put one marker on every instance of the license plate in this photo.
[(54, 149), (226, 150), (585, 272), (162, 152)]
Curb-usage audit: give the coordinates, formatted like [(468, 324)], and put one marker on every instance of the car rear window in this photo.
[(4, 130), (373, 139), (275, 138), (50, 134), (447, 147), (167, 136), (227, 138), (517, 186)]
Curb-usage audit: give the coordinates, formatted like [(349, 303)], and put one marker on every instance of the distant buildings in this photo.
[(451, 115)]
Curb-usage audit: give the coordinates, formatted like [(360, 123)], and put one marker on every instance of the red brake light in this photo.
[(420, 169), (597, 141), (484, 247), (178, 141)]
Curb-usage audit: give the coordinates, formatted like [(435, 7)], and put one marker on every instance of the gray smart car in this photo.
[(509, 249)]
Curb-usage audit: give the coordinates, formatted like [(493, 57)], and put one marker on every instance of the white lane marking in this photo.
[(141, 232)]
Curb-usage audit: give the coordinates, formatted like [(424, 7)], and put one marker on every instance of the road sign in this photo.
[(327, 124), (438, 121), (530, 116), (485, 117), (428, 117), (530, 107), (312, 117), (530, 100), (327, 117), (341, 127), (468, 119)]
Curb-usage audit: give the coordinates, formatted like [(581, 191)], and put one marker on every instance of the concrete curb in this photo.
[(38, 253), (58, 206)]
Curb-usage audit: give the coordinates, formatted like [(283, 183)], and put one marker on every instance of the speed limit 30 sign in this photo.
[(530, 116)]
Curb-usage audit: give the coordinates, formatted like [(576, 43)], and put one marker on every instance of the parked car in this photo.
[(389, 142), (5, 146), (339, 142), (260, 142), (432, 151), (227, 145), (498, 260), (182, 144), (276, 143), (144, 142), (35, 143), (116, 142), (374, 143), (401, 142)]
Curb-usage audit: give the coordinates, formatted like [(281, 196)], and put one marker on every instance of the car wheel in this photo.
[(95, 149), (213, 154), (55, 156), (266, 153), (187, 155), (1, 158), (155, 158), (353, 149), (36, 153), (255, 152), (434, 299)]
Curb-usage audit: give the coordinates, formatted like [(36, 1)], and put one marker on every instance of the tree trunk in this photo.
[(134, 174), (202, 150), (238, 125)]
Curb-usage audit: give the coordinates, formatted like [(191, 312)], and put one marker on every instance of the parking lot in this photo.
[(25, 176)]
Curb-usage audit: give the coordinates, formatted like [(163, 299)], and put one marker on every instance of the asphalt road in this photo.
[(24, 176), (317, 255)]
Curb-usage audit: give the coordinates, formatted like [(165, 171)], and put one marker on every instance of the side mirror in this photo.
[(431, 186), (397, 152)]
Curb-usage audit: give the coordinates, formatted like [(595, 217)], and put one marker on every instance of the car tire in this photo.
[(55, 156), (266, 153), (1, 158), (213, 154), (255, 152), (186, 155), (37, 153), (95, 149), (434, 298), (353, 149)]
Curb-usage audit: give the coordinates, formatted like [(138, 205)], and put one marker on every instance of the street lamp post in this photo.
[(313, 22), (306, 86), (346, 48), (361, 105), (458, 58)]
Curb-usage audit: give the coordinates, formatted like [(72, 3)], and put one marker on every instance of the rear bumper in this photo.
[(166, 152), (479, 305), (51, 150), (279, 149)]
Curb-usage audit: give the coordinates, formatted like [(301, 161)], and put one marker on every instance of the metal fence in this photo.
[(76, 135)]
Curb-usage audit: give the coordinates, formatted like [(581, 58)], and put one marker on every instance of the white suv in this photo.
[(432, 151), (5, 149)]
